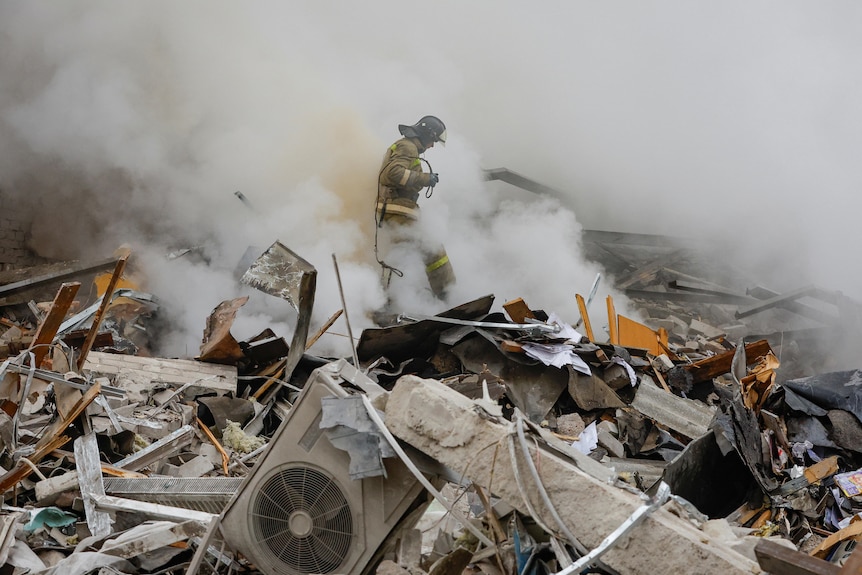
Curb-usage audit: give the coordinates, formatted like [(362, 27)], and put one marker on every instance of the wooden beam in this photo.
[(582, 306), (780, 560), (661, 380), (48, 328), (100, 313)]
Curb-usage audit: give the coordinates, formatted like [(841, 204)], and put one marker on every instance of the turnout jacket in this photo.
[(401, 176)]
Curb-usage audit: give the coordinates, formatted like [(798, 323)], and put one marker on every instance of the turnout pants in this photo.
[(398, 224)]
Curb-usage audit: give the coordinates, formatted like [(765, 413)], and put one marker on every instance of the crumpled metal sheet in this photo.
[(534, 389), (279, 272)]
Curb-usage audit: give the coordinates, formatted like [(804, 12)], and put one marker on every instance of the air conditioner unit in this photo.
[(299, 513)]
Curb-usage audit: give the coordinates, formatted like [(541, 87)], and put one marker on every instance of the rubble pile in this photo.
[(511, 441)]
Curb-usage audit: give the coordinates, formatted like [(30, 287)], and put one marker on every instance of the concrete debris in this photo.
[(688, 439)]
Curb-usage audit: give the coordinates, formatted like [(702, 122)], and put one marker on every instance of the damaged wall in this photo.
[(14, 232)]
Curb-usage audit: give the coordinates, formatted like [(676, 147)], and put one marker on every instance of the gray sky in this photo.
[(137, 121)]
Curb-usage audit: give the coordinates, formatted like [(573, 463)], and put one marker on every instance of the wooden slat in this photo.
[(100, 313), (272, 380), (48, 329), (582, 306), (824, 547), (311, 341), (612, 322)]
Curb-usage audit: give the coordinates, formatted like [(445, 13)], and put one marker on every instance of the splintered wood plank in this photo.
[(582, 307), (612, 322), (100, 313), (853, 530), (636, 334), (311, 341), (48, 328), (518, 310), (716, 365)]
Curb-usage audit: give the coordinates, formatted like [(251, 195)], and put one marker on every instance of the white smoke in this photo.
[(137, 121)]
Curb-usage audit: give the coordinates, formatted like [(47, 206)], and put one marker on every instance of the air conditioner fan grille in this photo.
[(301, 516)]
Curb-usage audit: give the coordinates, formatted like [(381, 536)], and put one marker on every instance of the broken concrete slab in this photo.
[(688, 417), (444, 425), (207, 377)]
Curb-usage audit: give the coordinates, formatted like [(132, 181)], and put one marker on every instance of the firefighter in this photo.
[(400, 182)]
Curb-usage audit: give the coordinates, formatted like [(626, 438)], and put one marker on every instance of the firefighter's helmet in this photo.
[(429, 129)]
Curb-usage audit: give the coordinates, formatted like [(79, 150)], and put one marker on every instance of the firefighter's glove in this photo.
[(433, 179)]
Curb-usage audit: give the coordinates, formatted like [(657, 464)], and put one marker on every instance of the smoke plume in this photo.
[(137, 122)]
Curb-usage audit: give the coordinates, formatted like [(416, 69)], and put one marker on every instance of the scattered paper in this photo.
[(556, 354), (629, 370), (566, 331)]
